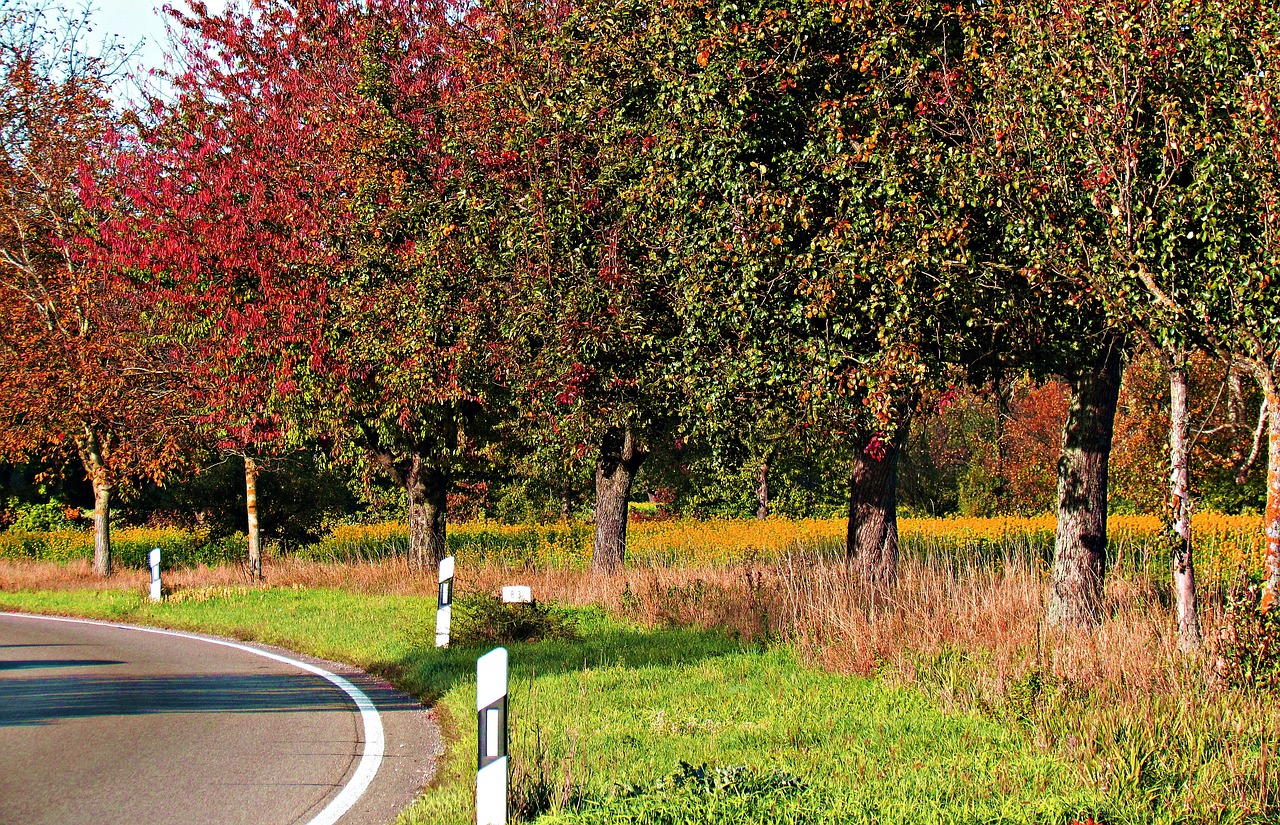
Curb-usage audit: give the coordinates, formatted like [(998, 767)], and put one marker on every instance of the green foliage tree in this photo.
[(1109, 124)]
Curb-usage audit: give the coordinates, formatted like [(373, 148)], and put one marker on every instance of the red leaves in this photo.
[(77, 368), (573, 384)]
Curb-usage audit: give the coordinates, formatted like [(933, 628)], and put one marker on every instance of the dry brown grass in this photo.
[(816, 603), (936, 610), (77, 575)]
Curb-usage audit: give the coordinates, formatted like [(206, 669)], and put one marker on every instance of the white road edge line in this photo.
[(374, 738)]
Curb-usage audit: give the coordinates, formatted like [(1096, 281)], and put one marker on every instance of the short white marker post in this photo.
[(444, 602), (153, 558), (491, 750), (517, 594)]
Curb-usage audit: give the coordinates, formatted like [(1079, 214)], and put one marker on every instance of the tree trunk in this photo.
[(872, 543), (1271, 589), (762, 489), (1080, 546), (94, 455), (619, 461), (426, 489), (1184, 575), (101, 527), (251, 511)]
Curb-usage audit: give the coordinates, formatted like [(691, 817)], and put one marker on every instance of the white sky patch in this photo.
[(141, 27)]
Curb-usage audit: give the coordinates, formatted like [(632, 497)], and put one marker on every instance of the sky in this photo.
[(139, 23)]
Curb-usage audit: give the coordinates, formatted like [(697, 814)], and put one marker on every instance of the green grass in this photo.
[(605, 720)]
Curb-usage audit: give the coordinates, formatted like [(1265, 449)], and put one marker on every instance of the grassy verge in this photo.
[(603, 721)]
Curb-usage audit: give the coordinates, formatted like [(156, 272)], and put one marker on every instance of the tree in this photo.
[(1161, 127), (822, 269), (1240, 309), (435, 281), (1103, 122), (78, 369), (546, 141), (288, 209), (224, 213)]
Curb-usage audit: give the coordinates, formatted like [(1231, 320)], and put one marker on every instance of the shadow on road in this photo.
[(45, 700), (37, 664), (5, 647)]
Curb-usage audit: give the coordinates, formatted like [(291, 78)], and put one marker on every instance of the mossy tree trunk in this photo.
[(1080, 544), (426, 489), (1271, 588), (762, 488), (95, 456)]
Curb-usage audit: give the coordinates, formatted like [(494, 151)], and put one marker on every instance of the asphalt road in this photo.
[(102, 724)]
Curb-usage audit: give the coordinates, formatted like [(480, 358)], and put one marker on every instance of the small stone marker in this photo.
[(517, 594), (153, 559), (444, 602), (491, 738)]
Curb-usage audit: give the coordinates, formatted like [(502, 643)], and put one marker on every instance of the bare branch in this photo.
[(1242, 473)]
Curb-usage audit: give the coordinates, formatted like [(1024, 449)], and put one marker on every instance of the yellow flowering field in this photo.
[(1223, 543), (130, 545)]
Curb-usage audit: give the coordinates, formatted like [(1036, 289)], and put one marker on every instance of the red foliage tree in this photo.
[(78, 369), (228, 201), (289, 210)]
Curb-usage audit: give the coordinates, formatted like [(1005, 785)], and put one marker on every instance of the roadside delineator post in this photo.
[(444, 602), (153, 558), (491, 741)]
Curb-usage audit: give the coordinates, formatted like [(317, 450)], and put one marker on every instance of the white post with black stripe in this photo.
[(444, 602), (491, 745), (153, 559)]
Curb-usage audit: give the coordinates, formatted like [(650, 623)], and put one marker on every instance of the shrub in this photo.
[(485, 620), (40, 518), (1248, 647)]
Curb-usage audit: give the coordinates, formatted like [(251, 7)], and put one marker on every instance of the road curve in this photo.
[(110, 724)]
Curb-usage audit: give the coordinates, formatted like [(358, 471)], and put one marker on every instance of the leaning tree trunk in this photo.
[(1080, 545), (251, 512), (616, 467), (1271, 589), (872, 547), (1184, 574), (426, 488)]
